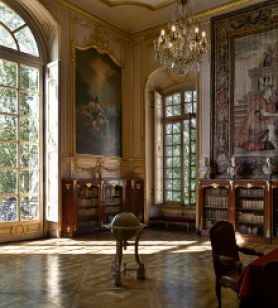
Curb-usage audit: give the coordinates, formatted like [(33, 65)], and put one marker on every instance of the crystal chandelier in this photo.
[(181, 46)]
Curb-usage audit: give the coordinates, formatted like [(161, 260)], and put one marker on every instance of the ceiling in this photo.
[(135, 15)]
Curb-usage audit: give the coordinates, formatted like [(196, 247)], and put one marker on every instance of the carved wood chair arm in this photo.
[(249, 251)]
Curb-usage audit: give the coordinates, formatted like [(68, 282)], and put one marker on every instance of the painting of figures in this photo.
[(256, 94), (244, 88), (98, 104)]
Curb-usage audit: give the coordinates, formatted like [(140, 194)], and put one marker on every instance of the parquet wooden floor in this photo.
[(76, 273)]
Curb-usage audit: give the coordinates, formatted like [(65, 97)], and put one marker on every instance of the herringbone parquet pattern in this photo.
[(76, 273)]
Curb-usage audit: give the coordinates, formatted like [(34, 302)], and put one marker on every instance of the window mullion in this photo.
[(189, 162)]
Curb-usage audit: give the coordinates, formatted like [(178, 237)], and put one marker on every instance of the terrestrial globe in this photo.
[(124, 226)]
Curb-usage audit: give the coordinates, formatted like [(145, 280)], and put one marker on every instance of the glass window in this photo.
[(180, 148), (20, 122), (13, 27)]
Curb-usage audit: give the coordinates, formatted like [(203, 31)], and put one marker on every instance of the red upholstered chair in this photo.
[(226, 262), (271, 284)]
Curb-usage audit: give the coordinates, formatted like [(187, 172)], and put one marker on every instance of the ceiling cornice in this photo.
[(141, 3)]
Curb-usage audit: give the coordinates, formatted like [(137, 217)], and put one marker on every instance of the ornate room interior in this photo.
[(143, 120)]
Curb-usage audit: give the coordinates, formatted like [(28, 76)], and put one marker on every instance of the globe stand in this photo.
[(121, 243)]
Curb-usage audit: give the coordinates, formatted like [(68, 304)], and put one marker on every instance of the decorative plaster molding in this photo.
[(142, 3)]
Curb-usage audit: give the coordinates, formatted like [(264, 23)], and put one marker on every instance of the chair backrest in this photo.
[(223, 243), (271, 284)]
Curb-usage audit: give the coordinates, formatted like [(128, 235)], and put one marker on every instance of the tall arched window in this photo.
[(20, 120)]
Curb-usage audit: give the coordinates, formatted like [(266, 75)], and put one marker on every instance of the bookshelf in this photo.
[(250, 210), (250, 205), (88, 204)]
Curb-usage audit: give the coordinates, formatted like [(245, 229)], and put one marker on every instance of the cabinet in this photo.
[(250, 205), (88, 204)]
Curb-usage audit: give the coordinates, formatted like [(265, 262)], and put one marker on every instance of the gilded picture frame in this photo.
[(244, 87)]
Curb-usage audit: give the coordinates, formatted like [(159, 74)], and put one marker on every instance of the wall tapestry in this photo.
[(245, 90), (98, 104)]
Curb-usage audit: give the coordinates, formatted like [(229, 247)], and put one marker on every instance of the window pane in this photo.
[(169, 196), (8, 182), (194, 96), (176, 162), (169, 129), (176, 128), (8, 102), (29, 78), (26, 41), (9, 17), (176, 150), (28, 130), (169, 184), (8, 73), (6, 39), (188, 108), (7, 155), (28, 104), (169, 162), (193, 123), (169, 151), (176, 139), (169, 111), (29, 181), (28, 156), (176, 110), (7, 127), (168, 173), (188, 96), (176, 184), (176, 196), (193, 197), (169, 101), (177, 99), (176, 173), (29, 208), (8, 209), (169, 139)]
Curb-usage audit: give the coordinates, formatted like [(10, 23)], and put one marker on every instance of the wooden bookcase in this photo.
[(250, 205), (88, 204)]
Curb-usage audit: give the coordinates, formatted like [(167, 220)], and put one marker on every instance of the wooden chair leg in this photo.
[(218, 293)]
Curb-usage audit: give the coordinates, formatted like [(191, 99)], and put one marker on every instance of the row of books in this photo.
[(87, 202), (216, 201), (112, 209), (251, 204), (88, 212), (250, 217), (216, 214), (250, 192), (88, 192), (250, 229), (217, 192)]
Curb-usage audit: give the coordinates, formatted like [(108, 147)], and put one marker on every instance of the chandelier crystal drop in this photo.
[(181, 46)]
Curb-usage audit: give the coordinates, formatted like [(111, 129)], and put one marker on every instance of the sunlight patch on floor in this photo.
[(102, 247)]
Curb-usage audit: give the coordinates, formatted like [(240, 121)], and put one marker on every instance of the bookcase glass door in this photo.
[(250, 210), (113, 199), (215, 205), (87, 207), (275, 212)]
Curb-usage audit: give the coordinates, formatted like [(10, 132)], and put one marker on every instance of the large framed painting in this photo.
[(245, 90), (98, 98)]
